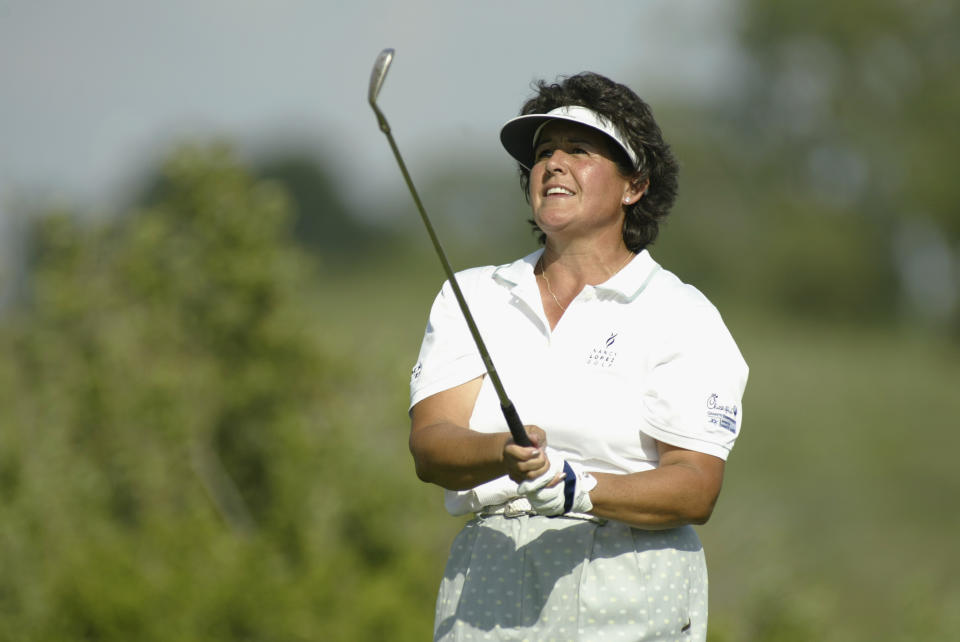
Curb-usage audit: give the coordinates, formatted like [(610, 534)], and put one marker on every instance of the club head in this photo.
[(379, 73)]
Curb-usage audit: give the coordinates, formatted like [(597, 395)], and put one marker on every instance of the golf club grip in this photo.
[(513, 422)]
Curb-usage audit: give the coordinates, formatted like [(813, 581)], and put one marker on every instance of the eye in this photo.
[(579, 150), (543, 152)]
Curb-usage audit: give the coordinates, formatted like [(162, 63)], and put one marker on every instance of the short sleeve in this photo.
[(693, 397), (448, 355)]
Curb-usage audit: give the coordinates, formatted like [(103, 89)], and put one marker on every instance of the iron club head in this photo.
[(379, 73)]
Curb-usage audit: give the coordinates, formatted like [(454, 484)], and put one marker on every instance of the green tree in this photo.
[(177, 458), (825, 180), (322, 220)]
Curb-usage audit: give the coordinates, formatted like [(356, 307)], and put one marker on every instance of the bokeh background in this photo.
[(213, 284)]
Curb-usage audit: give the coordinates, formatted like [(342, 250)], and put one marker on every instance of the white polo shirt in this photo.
[(640, 358)]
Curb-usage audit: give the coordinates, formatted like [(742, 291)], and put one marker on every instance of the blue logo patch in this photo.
[(721, 415)]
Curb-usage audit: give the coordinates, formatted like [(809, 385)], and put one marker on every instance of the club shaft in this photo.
[(509, 411)]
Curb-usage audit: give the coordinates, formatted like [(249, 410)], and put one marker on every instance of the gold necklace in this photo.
[(549, 289), (546, 280)]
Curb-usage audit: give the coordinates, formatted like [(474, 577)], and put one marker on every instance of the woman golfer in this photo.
[(628, 379)]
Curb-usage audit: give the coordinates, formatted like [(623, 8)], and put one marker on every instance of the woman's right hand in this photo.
[(527, 462)]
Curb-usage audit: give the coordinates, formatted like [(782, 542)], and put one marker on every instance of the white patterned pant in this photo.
[(538, 578)]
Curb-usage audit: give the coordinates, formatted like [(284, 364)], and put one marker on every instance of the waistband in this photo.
[(520, 506)]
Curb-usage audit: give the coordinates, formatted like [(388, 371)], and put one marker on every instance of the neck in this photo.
[(579, 266)]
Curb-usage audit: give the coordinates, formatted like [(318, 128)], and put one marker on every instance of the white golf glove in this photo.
[(571, 495)]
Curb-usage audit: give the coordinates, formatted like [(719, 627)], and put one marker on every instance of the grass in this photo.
[(837, 499)]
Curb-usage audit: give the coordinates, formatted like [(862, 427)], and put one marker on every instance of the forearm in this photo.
[(667, 497), (455, 457)]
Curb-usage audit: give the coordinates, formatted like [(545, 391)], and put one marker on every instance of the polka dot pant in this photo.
[(538, 578)]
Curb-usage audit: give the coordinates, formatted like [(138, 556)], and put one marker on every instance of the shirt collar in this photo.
[(626, 284), (521, 270)]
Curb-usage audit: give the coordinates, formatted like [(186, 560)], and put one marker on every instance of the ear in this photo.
[(635, 191)]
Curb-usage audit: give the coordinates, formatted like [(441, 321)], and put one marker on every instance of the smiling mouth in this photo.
[(557, 190)]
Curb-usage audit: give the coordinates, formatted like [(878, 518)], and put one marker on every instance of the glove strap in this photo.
[(569, 486)]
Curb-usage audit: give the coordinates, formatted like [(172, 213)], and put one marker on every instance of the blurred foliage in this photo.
[(481, 211), (175, 460), (823, 183), (322, 221)]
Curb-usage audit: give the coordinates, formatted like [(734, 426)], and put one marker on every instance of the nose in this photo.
[(556, 162)]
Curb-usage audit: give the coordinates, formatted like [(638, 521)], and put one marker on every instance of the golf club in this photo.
[(377, 76)]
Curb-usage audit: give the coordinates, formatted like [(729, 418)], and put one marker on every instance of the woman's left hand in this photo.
[(561, 489)]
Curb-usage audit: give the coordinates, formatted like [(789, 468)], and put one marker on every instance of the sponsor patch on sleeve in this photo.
[(722, 415)]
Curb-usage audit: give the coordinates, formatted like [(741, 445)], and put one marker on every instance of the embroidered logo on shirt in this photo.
[(605, 355), (415, 373), (721, 415)]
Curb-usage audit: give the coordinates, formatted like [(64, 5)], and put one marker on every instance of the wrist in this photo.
[(501, 440)]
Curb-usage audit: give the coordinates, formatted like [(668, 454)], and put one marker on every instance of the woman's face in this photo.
[(576, 188)]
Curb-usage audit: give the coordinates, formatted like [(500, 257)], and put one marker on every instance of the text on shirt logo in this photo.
[(721, 415), (604, 356)]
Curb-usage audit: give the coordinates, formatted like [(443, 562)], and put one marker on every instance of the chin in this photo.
[(556, 220)]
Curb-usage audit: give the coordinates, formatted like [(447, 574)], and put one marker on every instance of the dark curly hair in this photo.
[(634, 118)]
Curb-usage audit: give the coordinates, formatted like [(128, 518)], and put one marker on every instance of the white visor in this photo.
[(519, 135)]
